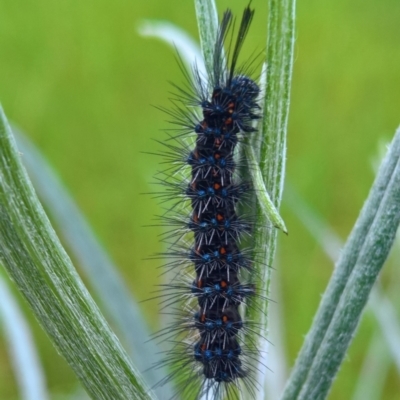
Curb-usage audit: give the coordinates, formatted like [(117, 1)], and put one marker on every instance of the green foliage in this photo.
[(78, 78)]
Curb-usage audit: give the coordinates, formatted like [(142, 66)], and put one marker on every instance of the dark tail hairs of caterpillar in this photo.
[(208, 358)]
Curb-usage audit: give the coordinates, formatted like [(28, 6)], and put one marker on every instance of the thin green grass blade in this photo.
[(186, 46), (280, 48), (207, 21), (33, 256), (374, 372), (28, 370)]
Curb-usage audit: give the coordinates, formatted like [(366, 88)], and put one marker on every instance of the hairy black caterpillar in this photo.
[(208, 357)]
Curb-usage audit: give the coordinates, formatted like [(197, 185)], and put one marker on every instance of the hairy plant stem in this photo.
[(347, 293), (33, 256)]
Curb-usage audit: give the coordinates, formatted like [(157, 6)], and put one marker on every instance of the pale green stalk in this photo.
[(380, 304), (207, 21), (356, 271), (280, 47), (34, 258)]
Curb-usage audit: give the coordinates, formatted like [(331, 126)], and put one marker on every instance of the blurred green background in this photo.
[(78, 78)]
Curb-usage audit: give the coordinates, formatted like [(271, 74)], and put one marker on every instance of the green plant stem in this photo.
[(357, 269), (280, 47), (33, 256), (207, 21)]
